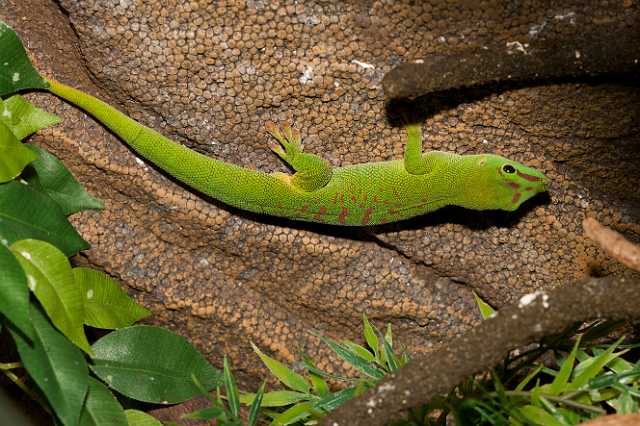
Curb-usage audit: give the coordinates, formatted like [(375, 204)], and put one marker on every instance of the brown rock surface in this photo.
[(211, 75)]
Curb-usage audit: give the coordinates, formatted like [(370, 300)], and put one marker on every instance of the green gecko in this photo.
[(353, 195)]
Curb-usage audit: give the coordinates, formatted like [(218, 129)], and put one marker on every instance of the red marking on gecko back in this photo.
[(530, 178), (343, 215), (304, 208), (321, 212), (353, 198), (279, 206), (376, 199), (366, 215), (334, 199)]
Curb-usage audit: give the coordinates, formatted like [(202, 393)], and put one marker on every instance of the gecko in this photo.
[(352, 195)]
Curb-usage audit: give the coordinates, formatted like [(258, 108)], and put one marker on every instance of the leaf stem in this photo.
[(10, 365), (20, 383)]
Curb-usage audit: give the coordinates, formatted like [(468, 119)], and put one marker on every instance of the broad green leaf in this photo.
[(297, 412), (14, 155), (49, 175), (559, 383), (288, 377), (151, 364), (371, 336), (276, 398), (231, 388), (51, 280), (14, 293), (140, 418), (388, 336), (486, 311), (359, 350), (539, 416), (28, 213), (255, 406), (57, 367), (355, 361), (208, 413), (22, 118), (16, 71), (105, 304), (101, 407)]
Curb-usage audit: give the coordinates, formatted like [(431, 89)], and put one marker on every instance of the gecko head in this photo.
[(504, 184)]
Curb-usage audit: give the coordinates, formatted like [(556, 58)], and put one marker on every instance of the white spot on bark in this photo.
[(527, 299), (386, 388), (516, 46), (571, 16), (371, 402), (307, 75), (534, 30), (578, 54), (363, 64)]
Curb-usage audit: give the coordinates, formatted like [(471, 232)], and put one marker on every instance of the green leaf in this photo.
[(16, 71), (276, 398), (486, 311), (57, 367), (14, 293), (51, 280), (595, 366), (139, 418), (14, 156), (559, 383), (359, 350), (49, 175), (208, 413), (231, 388), (357, 362), (288, 377), (333, 401), (390, 356), (529, 377), (371, 336), (320, 386), (105, 304), (151, 364), (255, 406), (296, 413), (27, 213), (22, 118), (539, 416), (101, 407)]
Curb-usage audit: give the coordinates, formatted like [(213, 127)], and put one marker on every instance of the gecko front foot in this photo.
[(312, 171), (289, 143)]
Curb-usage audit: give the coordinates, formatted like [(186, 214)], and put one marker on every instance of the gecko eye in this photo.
[(508, 168)]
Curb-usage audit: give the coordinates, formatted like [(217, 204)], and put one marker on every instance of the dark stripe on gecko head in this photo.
[(530, 178), (515, 198), (514, 185)]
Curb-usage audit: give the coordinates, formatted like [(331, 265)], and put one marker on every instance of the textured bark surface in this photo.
[(210, 76)]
